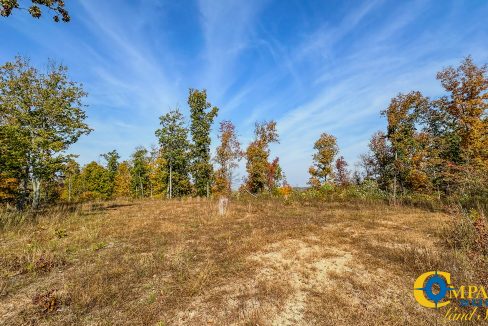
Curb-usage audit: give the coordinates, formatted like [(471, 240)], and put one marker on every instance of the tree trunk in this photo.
[(23, 191), (395, 180), (142, 187), (223, 203), (229, 185), (69, 189), (36, 187), (171, 182)]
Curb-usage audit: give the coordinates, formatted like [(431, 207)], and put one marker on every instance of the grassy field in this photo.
[(267, 262)]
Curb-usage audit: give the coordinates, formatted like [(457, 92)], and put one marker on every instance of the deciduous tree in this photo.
[(158, 173), (71, 173), (378, 162), (41, 115), (34, 8), (202, 116), (464, 112), (408, 144), (112, 159), (173, 140), (257, 155), (342, 174), (140, 172), (326, 149), (227, 157), (275, 175), (123, 181), (94, 182)]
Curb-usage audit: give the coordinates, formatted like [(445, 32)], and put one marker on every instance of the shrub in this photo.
[(421, 200), (468, 232), (284, 191), (367, 190)]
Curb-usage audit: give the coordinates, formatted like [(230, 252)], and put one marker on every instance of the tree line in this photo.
[(437, 147), (42, 114)]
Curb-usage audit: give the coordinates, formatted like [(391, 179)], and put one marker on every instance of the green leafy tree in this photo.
[(140, 172), (41, 115), (257, 155), (174, 146), (378, 162), (94, 182), (321, 170), (202, 116), (410, 146), (34, 9), (112, 159), (71, 173)]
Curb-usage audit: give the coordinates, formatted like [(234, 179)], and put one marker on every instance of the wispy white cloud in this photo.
[(134, 68), (360, 83), (313, 67), (227, 28)]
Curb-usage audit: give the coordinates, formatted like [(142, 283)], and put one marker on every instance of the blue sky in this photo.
[(313, 66)]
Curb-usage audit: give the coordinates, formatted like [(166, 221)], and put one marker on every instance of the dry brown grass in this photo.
[(267, 262)]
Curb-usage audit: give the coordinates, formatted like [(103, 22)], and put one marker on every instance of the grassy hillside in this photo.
[(267, 262)]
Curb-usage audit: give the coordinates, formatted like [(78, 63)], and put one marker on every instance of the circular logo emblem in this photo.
[(425, 285)]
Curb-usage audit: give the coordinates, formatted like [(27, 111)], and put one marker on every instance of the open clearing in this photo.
[(267, 262)]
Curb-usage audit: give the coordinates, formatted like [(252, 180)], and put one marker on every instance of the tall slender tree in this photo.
[(140, 172), (71, 173), (321, 170), (342, 174), (112, 159), (202, 116), (227, 156), (173, 140), (408, 144), (257, 155)]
